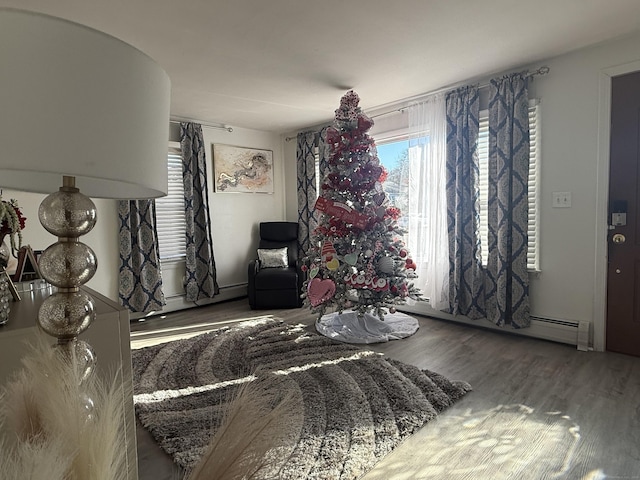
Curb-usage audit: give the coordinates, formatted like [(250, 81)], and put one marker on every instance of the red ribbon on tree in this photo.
[(342, 211)]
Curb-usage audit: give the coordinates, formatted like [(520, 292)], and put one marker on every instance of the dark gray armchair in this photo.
[(275, 281)]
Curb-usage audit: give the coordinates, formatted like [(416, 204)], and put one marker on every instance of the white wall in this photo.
[(570, 285), (575, 159), (101, 239), (234, 218)]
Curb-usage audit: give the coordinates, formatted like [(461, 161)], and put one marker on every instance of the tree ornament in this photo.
[(333, 264), (319, 291), (328, 251), (351, 258), (385, 265)]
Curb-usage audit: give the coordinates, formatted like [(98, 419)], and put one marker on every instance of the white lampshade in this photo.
[(75, 101)]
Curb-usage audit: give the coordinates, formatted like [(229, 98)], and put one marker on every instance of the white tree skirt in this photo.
[(348, 327)]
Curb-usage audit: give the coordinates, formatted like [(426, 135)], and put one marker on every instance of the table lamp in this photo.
[(84, 110)]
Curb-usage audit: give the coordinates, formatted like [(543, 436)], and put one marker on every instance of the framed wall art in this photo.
[(240, 169)]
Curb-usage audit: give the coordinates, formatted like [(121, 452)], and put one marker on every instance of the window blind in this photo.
[(170, 218), (533, 262)]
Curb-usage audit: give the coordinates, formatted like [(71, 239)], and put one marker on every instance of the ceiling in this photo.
[(282, 65)]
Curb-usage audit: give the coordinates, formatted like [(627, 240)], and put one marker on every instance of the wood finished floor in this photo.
[(582, 407)]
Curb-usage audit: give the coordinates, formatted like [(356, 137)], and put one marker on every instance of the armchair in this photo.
[(274, 278)]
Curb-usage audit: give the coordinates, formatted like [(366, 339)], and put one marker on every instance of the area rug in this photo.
[(354, 406)]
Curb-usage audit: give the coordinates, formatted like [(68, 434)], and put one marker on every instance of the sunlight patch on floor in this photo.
[(308, 366), (160, 395), (505, 442), (143, 339)]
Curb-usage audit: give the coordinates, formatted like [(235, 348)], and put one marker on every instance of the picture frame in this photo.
[(12, 288), (242, 169), (27, 268)]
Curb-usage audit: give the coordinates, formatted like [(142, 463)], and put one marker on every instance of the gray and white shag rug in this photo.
[(354, 406)]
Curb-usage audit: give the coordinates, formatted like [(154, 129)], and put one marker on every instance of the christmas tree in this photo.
[(357, 260)]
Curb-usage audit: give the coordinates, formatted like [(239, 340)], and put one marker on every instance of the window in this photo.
[(170, 219), (393, 152), (534, 172), (394, 156)]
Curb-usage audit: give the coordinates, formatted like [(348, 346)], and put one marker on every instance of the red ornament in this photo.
[(393, 212), (383, 175)]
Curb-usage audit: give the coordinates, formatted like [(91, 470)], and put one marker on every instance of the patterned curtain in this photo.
[(200, 279), (140, 279), (507, 277), (466, 276), (307, 180)]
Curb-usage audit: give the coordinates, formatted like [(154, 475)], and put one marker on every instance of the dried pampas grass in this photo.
[(252, 440), (56, 436)]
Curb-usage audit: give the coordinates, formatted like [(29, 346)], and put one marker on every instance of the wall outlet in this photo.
[(561, 199)]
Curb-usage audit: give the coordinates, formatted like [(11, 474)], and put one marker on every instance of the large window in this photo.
[(170, 219), (394, 153)]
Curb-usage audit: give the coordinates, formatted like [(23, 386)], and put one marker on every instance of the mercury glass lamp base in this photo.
[(67, 264)]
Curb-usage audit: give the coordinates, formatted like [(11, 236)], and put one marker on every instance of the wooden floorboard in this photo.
[(538, 409)]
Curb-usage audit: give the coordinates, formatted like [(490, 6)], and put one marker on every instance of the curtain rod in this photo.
[(542, 71), (219, 127)]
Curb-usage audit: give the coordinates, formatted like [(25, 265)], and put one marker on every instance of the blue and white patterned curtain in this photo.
[(507, 278), (466, 275), (140, 278), (200, 279), (307, 181)]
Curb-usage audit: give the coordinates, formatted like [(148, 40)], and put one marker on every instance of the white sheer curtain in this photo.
[(427, 210)]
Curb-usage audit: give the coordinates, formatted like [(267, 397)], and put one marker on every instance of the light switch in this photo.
[(561, 199)]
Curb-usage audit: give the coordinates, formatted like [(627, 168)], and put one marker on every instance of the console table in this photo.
[(108, 335)]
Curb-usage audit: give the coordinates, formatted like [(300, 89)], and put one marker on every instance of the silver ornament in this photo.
[(385, 265)]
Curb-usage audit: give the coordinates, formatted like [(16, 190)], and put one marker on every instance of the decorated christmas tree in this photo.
[(357, 260)]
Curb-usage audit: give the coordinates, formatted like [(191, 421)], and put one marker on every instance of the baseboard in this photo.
[(178, 302), (572, 332)]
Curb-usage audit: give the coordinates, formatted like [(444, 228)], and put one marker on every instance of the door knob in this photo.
[(618, 238)]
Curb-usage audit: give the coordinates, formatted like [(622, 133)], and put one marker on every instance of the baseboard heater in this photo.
[(572, 332)]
